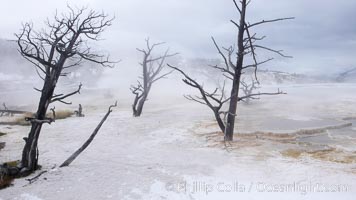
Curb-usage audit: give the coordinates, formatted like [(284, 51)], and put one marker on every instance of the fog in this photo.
[(298, 130), (321, 38)]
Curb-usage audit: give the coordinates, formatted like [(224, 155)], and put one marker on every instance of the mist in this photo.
[(312, 39), (210, 126)]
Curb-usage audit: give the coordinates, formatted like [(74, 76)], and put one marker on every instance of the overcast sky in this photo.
[(322, 38)]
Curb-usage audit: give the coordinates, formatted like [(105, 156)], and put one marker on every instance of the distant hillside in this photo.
[(200, 68), (347, 76), (279, 77)]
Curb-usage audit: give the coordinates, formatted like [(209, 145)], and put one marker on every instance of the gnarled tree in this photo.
[(234, 66), (152, 71), (53, 51)]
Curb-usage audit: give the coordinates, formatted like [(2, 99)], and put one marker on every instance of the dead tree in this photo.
[(79, 112), (53, 51), (248, 89), (234, 66), (6, 111), (214, 100), (90, 139), (152, 71)]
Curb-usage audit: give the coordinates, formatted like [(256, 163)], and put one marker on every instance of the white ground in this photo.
[(165, 155)]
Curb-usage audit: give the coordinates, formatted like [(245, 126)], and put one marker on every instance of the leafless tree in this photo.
[(89, 140), (233, 68), (249, 88), (214, 100), (152, 71), (54, 51)]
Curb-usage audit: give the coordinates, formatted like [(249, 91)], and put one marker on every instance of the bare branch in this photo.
[(252, 50), (232, 21), (98, 59), (237, 7), (206, 97), (38, 90), (89, 140), (259, 94), (162, 76), (257, 64), (152, 71), (38, 121), (269, 21), (228, 62), (53, 113), (272, 50), (189, 97), (61, 98)]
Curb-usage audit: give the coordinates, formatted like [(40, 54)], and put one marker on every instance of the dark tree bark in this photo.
[(79, 112), (152, 71), (90, 139), (53, 51), (233, 70)]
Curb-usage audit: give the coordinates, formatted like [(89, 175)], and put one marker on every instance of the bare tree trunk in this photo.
[(140, 99), (230, 124), (219, 120), (229, 134), (30, 152), (139, 103), (29, 160), (151, 72), (90, 139), (137, 109)]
